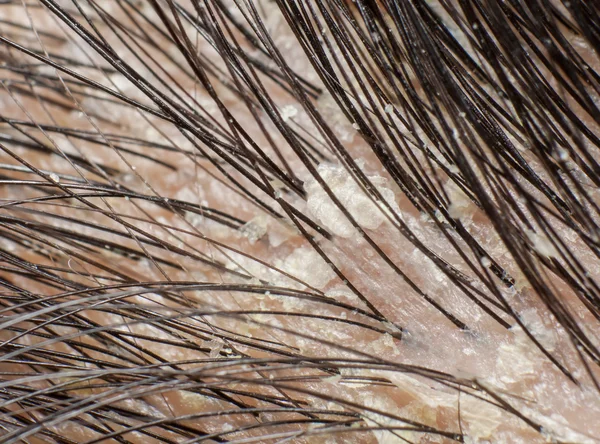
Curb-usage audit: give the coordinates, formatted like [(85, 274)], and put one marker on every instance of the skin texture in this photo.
[(300, 221)]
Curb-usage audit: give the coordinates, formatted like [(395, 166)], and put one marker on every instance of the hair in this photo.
[(299, 220)]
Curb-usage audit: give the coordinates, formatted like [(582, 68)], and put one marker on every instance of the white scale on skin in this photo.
[(180, 269)]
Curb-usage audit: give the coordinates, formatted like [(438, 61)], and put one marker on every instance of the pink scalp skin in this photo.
[(224, 328)]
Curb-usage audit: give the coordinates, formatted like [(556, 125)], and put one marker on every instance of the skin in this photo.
[(283, 300)]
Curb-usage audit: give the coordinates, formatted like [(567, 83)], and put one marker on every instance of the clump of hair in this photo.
[(299, 220)]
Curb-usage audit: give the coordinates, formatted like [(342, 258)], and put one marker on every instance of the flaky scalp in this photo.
[(299, 220)]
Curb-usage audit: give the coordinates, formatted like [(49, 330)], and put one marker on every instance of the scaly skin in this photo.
[(267, 230)]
